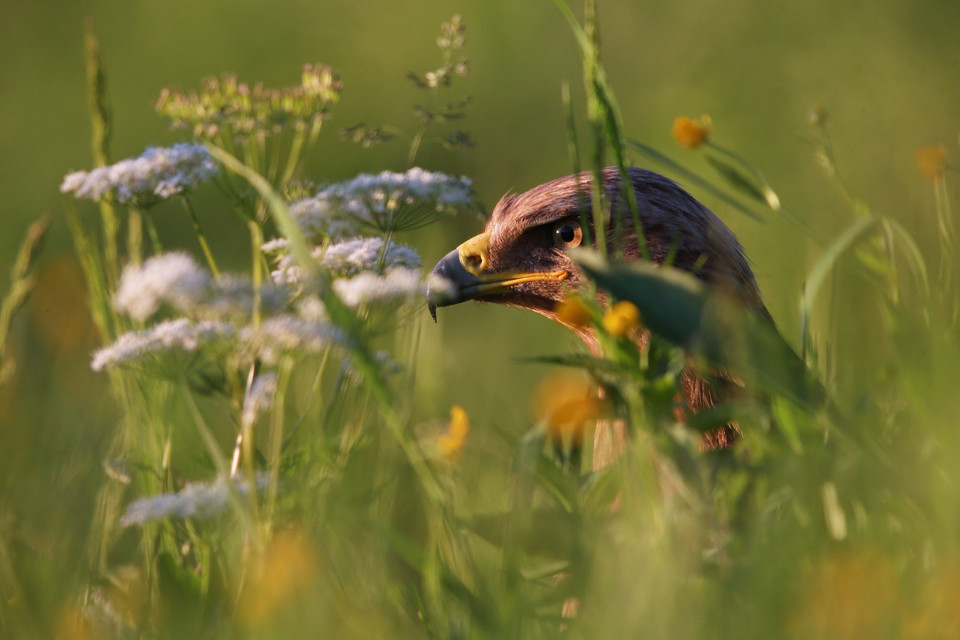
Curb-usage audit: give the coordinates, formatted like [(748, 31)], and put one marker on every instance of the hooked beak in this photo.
[(463, 274)]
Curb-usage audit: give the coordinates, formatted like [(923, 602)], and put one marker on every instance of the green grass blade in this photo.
[(693, 178), (825, 265)]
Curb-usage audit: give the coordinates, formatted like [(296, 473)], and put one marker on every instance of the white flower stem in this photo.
[(256, 241), (135, 236), (247, 519), (276, 434), (201, 237), (152, 234)]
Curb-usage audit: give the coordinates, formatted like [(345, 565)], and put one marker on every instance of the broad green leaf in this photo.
[(678, 307)]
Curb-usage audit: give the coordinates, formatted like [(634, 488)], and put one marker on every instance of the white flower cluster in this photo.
[(177, 335), (259, 397), (285, 333), (177, 280), (159, 173), (399, 285), (196, 500), (347, 258), (388, 201), (172, 278)]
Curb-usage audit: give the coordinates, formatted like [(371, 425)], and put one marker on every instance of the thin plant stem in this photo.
[(277, 417), (220, 462), (155, 245), (201, 237), (256, 241), (99, 105), (135, 236), (293, 160)]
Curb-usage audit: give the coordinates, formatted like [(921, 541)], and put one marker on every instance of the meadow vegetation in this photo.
[(266, 477)]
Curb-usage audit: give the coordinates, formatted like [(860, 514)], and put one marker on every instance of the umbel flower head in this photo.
[(384, 202), (345, 259), (226, 107), (175, 279), (169, 338), (196, 500), (397, 286), (159, 173)]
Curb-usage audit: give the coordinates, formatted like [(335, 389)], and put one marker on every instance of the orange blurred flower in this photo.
[(849, 596), (573, 312), (935, 612), (692, 132), (277, 576), (567, 404), (71, 625), (621, 319), (931, 162), (450, 443)]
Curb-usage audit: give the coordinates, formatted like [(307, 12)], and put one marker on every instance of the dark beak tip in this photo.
[(433, 311)]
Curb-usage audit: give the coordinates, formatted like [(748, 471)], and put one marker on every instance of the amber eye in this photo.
[(567, 234)]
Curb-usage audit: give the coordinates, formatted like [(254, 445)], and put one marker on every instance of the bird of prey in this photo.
[(521, 260)]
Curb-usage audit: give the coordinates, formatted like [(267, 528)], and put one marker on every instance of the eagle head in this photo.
[(521, 259)]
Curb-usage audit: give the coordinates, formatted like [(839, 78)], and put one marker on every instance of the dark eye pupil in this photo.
[(567, 234)]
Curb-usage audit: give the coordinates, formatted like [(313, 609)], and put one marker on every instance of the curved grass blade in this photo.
[(693, 178), (823, 266)]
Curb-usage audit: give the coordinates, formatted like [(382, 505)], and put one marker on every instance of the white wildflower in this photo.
[(177, 280), (387, 201), (231, 296), (195, 500), (349, 258), (177, 335), (440, 289), (259, 397), (285, 333), (322, 217), (172, 278), (277, 245), (399, 284), (159, 173), (367, 254), (312, 309)]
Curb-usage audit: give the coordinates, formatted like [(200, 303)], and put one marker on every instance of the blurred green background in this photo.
[(886, 71)]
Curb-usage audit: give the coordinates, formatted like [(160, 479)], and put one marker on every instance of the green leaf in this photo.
[(578, 361), (678, 307)]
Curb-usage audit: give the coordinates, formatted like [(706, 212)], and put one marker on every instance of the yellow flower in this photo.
[(573, 312), (450, 443), (277, 577), (848, 596), (621, 319), (690, 132), (931, 162), (566, 404), (935, 608), (71, 625)]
